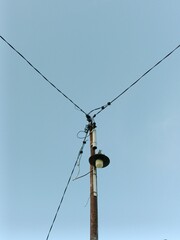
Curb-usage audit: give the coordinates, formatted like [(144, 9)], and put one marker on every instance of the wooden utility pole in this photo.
[(93, 188)]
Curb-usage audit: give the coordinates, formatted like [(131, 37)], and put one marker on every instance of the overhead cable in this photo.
[(68, 182), (76, 178), (45, 78), (128, 88)]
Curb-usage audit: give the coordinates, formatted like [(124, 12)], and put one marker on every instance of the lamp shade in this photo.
[(99, 160)]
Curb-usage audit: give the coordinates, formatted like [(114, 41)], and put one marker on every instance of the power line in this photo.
[(84, 175), (68, 182), (97, 110), (128, 88), (42, 75)]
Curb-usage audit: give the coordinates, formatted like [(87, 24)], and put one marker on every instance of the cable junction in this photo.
[(45, 78)]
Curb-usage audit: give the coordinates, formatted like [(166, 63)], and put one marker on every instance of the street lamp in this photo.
[(99, 160)]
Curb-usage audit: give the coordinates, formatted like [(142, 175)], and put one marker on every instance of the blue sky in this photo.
[(91, 50)]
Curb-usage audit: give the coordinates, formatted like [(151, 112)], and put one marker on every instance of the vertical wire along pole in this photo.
[(93, 189)]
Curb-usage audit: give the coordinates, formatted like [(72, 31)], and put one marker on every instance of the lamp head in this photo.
[(99, 160)]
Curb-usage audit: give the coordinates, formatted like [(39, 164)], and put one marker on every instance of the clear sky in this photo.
[(92, 50)]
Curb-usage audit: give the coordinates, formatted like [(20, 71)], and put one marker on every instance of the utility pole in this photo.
[(93, 187), (96, 161)]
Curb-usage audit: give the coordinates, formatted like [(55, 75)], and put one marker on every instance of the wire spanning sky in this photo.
[(92, 51)]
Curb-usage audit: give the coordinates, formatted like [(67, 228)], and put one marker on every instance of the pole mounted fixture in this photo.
[(99, 160)]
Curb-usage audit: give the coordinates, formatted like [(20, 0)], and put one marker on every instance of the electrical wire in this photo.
[(128, 88), (99, 108), (78, 134), (76, 178), (89, 118), (79, 167), (95, 109), (68, 182), (79, 161), (42, 75)]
